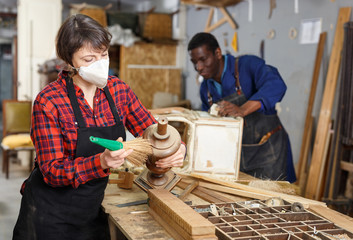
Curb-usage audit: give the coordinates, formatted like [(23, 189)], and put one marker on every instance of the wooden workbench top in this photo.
[(134, 221)]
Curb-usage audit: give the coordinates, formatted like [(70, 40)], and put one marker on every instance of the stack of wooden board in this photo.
[(318, 160), (179, 219)]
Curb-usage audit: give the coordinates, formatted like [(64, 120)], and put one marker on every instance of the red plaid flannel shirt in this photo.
[(54, 132)]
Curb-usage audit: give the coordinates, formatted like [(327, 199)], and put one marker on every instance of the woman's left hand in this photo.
[(175, 160)]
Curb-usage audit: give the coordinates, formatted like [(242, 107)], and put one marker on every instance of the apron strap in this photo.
[(112, 105), (237, 83), (76, 108), (236, 75), (209, 98), (74, 103)]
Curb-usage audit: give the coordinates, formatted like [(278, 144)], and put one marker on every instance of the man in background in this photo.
[(246, 87)]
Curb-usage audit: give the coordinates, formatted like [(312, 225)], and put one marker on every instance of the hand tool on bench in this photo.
[(145, 201), (128, 204), (125, 179), (188, 190)]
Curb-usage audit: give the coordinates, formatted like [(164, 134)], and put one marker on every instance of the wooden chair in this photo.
[(16, 129)]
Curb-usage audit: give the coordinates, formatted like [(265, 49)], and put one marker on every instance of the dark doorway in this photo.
[(6, 78)]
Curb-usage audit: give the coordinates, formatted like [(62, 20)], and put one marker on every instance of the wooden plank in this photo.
[(207, 3), (290, 198), (234, 191), (226, 18), (339, 219), (205, 194), (220, 198), (188, 190), (207, 197), (322, 174), (172, 231), (172, 227), (209, 19), (216, 25), (309, 119), (347, 166), (335, 161), (326, 105), (183, 215), (230, 20), (275, 186), (303, 170)]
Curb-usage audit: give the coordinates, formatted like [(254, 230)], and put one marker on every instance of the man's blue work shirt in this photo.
[(258, 81)]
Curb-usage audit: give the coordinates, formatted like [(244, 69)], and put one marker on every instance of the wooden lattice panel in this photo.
[(255, 220)]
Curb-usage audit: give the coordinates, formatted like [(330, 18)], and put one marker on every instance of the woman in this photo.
[(63, 195)]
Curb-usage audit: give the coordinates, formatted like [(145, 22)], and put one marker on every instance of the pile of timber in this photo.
[(179, 219), (315, 180), (215, 190)]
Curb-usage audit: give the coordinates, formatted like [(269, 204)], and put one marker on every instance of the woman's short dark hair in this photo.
[(77, 31), (203, 38)]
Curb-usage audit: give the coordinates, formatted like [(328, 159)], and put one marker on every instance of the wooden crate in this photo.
[(157, 26), (97, 14), (149, 68)]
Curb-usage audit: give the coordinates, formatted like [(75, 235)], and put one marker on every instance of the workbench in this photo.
[(134, 222)]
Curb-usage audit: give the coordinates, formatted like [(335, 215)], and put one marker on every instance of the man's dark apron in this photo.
[(64, 212), (267, 160)]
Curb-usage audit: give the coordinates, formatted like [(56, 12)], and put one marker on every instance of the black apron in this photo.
[(267, 160), (65, 212)]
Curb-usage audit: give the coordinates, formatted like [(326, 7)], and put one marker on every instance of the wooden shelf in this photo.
[(221, 5), (211, 3)]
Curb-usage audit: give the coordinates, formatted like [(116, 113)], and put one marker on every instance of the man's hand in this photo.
[(228, 109)]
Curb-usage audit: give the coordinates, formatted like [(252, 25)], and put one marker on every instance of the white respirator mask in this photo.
[(96, 73)]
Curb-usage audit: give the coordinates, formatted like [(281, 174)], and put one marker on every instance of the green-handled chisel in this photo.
[(107, 143)]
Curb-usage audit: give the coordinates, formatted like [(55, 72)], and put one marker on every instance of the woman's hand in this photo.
[(114, 159), (175, 160)]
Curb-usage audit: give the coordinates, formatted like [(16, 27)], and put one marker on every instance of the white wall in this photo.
[(38, 22)]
